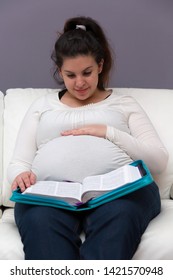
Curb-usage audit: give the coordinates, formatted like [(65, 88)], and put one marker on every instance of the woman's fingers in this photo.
[(24, 180)]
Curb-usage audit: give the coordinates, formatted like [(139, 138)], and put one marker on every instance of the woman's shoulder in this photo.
[(120, 95), (44, 99), (125, 100)]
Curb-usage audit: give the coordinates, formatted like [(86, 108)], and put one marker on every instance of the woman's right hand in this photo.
[(24, 180)]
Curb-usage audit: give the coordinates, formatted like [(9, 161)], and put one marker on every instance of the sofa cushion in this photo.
[(156, 241), (158, 105), (1, 140), (10, 242)]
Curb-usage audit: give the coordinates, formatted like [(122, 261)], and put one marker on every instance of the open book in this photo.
[(93, 186)]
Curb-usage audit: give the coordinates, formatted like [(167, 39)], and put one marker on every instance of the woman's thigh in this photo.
[(47, 232), (114, 230)]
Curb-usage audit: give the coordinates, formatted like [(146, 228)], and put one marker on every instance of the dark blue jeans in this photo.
[(113, 230)]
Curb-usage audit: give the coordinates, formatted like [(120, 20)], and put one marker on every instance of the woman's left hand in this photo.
[(93, 130)]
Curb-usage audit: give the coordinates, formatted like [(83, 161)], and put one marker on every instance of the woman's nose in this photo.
[(80, 81)]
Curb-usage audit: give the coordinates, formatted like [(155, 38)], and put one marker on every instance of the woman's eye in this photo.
[(71, 76), (87, 73)]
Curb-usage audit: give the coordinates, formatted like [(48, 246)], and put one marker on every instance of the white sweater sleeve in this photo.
[(143, 141), (25, 148)]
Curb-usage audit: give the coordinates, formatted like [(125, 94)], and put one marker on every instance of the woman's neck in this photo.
[(72, 101)]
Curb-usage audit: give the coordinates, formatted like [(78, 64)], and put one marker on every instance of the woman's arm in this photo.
[(143, 141), (26, 147)]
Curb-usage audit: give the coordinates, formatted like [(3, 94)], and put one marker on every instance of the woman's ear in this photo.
[(100, 65)]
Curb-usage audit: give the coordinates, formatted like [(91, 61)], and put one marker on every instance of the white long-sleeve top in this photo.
[(41, 148)]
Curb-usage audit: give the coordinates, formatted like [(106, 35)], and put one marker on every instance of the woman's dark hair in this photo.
[(77, 41)]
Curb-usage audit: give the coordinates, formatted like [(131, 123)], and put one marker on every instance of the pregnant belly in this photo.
[(75, 157)]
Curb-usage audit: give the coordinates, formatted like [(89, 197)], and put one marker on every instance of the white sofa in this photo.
[(157, 241)]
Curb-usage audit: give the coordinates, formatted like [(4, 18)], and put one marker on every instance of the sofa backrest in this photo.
[(157, 103), (1, 140)]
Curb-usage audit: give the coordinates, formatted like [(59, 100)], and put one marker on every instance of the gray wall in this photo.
[(140, 32)]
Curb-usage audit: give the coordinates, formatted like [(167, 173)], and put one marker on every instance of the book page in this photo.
[(95, 186), (120, 177), (55, 189), (113, 179), (133, 173)]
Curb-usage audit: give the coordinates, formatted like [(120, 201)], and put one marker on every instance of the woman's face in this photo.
[(80, 75)]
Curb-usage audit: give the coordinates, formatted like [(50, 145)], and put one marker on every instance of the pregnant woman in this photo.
[(81, 130)]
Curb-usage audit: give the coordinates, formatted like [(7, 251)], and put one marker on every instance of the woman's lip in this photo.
[(81, 90)]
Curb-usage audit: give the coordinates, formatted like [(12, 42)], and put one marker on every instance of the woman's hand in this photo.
[(94, 130), (24, 180)]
